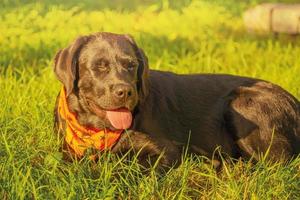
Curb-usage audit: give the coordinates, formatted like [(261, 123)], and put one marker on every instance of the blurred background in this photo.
[(184, 36)]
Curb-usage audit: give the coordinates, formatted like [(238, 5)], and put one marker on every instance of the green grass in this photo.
[(180, 36)]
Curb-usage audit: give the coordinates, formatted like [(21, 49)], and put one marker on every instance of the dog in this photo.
[(111, 100)]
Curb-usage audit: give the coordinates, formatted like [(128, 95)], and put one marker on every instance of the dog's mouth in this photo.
[(119, 118)]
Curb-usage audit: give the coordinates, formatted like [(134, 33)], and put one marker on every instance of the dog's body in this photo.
[(244, 117), (236, 113)]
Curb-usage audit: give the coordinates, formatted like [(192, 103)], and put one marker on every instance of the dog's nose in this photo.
[(122, 91)]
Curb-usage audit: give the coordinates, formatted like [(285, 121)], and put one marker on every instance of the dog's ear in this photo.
[(143, 70), (66, 63)]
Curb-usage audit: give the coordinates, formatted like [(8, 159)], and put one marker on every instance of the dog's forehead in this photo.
[(111, 45)]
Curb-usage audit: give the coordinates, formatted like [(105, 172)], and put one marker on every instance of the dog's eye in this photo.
[(130, 66), (101, 65), (127, 64)]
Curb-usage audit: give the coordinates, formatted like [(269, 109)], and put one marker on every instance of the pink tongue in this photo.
[(120, 119)]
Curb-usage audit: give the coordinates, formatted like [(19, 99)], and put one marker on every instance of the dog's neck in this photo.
[(84, 116)]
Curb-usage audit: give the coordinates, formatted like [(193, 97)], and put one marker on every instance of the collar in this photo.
[(80, 138)]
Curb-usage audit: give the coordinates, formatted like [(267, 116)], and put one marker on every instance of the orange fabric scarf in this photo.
[(80, 138)]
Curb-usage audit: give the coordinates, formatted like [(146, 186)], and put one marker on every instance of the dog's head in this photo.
[(107, 72)]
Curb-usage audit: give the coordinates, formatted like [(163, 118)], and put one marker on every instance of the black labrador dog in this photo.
[(108, 86)]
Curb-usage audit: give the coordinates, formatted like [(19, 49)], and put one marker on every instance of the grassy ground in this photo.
[(183, 36)]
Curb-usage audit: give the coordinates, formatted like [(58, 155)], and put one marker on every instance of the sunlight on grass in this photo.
[(200, 37)]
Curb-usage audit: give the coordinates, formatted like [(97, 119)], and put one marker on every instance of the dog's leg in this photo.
[(149, 150), (263, 120)]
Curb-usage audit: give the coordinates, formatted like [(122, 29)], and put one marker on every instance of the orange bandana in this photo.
[(80, 138)]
